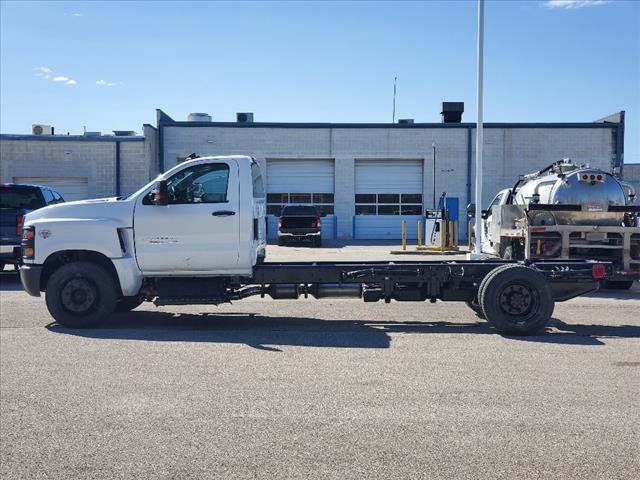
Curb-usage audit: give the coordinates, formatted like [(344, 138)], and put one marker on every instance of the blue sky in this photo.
[(108, 65)]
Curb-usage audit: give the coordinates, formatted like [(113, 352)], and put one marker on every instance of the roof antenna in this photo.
[(395, 82)]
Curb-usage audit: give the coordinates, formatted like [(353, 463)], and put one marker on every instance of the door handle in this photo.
[(223, 213)]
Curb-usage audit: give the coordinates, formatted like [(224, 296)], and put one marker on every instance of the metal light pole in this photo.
[(433, 145), (477, 250)]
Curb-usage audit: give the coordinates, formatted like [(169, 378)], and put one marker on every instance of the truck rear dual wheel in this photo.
[(81, 295), (516, 300)]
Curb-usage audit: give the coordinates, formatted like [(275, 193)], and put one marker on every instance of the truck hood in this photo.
[(120, 211)]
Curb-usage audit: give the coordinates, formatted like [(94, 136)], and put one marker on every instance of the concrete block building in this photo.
[(365, 178), (79, 166)]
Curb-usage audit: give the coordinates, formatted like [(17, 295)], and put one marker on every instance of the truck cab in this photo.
[(204, 217), (490, 244)]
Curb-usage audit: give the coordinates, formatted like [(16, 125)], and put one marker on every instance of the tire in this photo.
[(280, 242), (317, 242), (126, 304), (483, 285), (617, 285), (81, 295), (516, 300)]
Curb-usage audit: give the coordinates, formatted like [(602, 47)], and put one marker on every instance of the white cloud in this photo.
[(104, 83), (43, 69), (76, 14), (568, 4), (61, 79), (71, 81)]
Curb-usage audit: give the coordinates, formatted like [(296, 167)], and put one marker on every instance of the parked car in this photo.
[(15, 202), (300, 223)]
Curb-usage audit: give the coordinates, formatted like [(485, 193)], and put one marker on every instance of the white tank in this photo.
[(568, 184)]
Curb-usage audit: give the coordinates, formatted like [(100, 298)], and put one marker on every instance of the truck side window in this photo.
[(199, 184)]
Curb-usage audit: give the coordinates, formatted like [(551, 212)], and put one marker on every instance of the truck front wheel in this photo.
[(516, 300), (81, 295)]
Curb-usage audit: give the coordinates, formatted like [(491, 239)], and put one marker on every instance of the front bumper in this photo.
[(30, 279)]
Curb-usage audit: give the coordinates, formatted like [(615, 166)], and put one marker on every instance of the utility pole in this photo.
[(477, 250), (395, 82), (433, 145)]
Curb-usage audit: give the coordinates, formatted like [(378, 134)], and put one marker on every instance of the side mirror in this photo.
[(161, 194)]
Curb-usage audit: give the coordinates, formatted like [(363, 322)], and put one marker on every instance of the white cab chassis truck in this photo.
[(567, 211), (196, 235)]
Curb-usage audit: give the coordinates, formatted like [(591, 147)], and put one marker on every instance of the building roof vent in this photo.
[(452, 112), (405, 121), (198, 117), (244, 117), (92, 134), (124, 133), (38, 129)]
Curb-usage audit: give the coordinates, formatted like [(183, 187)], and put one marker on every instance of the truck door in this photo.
[(198, 231), (487, 241)]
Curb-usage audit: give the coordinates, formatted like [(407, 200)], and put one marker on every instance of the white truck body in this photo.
[(181, 239)]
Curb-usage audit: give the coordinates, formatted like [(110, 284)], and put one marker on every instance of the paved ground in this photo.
[(331, 389)]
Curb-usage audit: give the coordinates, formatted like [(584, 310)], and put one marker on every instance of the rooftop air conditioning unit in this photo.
[(37, 129), (405, 121), (244, 117)]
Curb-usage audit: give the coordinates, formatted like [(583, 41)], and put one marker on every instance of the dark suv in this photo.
[(15, 202)]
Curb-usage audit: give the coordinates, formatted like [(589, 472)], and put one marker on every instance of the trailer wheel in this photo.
[(516, 300), (81, 295)]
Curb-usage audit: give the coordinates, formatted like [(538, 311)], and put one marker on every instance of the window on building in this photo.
[(275, 201), (388, 204)]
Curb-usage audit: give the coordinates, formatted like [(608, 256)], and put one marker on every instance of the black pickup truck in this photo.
[(300, 223), (15, 202)]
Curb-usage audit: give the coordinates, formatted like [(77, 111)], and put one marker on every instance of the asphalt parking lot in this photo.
[(319, 389)]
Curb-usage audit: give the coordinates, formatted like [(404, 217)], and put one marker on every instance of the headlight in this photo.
[(28, 243)]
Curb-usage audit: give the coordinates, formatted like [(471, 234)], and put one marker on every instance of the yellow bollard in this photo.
[(419, 233), (404, 235)]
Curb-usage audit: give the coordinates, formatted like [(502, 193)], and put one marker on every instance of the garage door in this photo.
[(300, 182), (71, 188), (386, 193)]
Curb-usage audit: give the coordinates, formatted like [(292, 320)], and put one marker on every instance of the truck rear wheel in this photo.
[(81, 295), (516, 300)]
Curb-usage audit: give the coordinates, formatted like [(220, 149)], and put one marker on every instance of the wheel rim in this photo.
[(519, 300), (78, 295)]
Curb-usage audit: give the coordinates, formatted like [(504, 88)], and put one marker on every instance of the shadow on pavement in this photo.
[(632, 294), (260, 331), (10, 281), (266, 333)]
